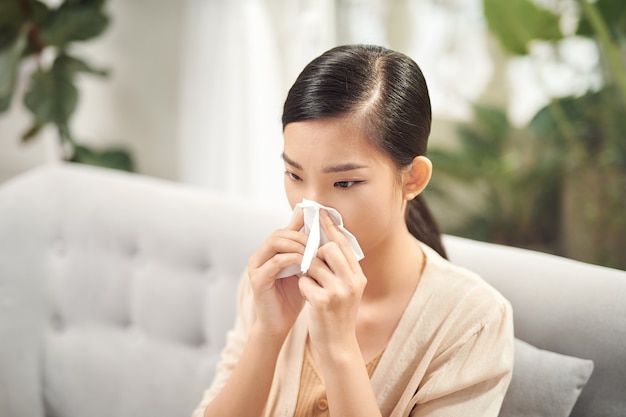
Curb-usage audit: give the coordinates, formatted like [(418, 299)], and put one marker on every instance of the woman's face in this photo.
[(331, 161)]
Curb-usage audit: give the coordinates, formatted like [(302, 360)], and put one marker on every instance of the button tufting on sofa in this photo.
[(56, 322), (59, 247)]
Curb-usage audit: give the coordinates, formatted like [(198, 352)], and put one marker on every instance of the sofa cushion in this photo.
[(544, 383), (121, 287), (563, 306)]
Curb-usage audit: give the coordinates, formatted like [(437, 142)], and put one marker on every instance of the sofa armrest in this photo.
[(564, 306)]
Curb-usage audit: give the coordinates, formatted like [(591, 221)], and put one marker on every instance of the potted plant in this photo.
[(588, 128), (33, 33), (498, 180)]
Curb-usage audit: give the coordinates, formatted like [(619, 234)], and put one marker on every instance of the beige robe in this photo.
[(450, 355)]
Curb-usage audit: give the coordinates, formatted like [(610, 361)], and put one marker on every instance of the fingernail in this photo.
[(323, 213)]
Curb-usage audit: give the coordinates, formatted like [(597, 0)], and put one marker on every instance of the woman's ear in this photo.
[(416, 177)]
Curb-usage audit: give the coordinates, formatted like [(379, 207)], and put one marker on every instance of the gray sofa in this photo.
[(117, 290)]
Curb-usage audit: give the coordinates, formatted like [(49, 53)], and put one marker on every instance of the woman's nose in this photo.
[(316, 196), (311, 194)]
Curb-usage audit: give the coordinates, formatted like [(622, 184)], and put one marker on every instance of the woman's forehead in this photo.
[(332, 144)]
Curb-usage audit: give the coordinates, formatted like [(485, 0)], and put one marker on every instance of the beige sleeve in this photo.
[(471, 378), (235, 342)]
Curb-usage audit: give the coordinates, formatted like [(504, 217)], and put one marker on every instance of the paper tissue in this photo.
[(317, 237)]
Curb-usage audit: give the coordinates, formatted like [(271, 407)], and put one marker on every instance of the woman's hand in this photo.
[(278, 301), (333, 286)]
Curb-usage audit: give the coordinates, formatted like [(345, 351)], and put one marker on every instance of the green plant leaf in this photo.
[(52, 96), (507, 171), (10, 12), (613, 13), (36, 16), (9, 64), (517, 22), (17, 15), (96, 3), (453, 164), (111, 158), (595, 117), (494, 120), (74, 21), (11, 20), (475, 142), (74, 65)]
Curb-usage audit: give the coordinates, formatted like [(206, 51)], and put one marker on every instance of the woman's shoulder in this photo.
[(456, 293), (457, 281)]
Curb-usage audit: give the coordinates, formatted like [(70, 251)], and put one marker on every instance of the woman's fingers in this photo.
[(284, 241), (335, 268), (277, 263), (287, 240), (336, 236), (297, 221)]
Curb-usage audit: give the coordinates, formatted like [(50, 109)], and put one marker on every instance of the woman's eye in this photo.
[(346, 184), (292, 176)]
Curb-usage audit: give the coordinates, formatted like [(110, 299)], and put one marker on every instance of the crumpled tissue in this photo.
[(317, 237)]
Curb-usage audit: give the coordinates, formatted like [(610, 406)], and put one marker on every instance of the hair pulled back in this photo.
[(388, 89)]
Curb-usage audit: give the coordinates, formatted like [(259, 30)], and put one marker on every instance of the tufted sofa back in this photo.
[(116, 291)]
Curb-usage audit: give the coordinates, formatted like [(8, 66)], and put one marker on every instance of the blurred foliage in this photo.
[(592, 118), (30, 30), (518, 22), (511, 176), (589, 129)]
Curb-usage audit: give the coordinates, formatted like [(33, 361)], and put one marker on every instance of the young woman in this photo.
[(403, 332)]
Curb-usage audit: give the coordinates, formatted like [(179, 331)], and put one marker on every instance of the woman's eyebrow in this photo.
[(349, 166), (290, 161)]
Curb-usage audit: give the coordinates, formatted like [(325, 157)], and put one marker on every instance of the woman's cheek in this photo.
[(368, 227), (354, 224), (292, 193)]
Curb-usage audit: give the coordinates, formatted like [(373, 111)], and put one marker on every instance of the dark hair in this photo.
[(389, 90)]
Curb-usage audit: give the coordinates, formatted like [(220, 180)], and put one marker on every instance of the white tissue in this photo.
[(317, 237)]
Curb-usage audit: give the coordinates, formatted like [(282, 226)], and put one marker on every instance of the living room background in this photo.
[(196, 86)]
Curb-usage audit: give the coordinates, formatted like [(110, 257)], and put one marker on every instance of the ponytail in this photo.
[(423, 226)]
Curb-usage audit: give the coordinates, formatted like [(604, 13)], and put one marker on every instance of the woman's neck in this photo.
[(394, 265)]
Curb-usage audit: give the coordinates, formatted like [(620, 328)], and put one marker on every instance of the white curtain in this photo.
[(238, 60)]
